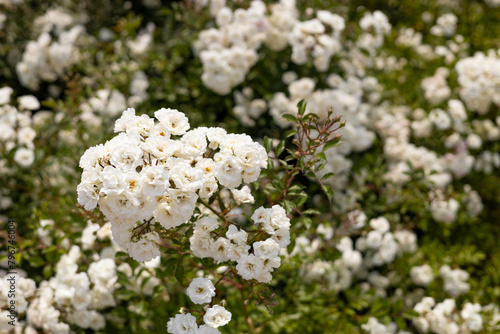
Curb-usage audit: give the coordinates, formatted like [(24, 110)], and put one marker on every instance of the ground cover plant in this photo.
[(211, 166)]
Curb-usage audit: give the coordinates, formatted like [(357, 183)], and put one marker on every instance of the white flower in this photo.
[(352, 259), (444, 211), (206, 224), (5, 93), (91, 157), (208, 188), (266, 249), (243, 196), (407, 241), (88, 195), (28, 102), (282, 236), (236, 235), (175, 121), (121, 123), (113, 181), (146, 248), (220, 249), (262, 215), (201, 245), (454, 280), (194, 143), (217, 316), (103, 272), (88, 236), (182, 324), (374, 239), (229, 172), (25, 136), (126, 155), (215, 137), (201, 290), (186, 177), (159, 147), (24, 157), (204, 329), (154, 180), (422, 275), (380, 224), (248, 266), (207, 166)]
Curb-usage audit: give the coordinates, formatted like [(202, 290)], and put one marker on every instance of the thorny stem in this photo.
[(208, 206), (312, 144), (221, 215), (249, 322), (222, 276)]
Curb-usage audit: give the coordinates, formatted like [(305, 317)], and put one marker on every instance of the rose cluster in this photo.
[(156, 171)]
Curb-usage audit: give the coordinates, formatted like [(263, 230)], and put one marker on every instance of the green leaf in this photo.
[(179, 273), (289, 205), (401, 323), (270, 164), (328, 191), (36, 261), (291, 245), (331, 143), (268, 144), (290, 117), (327, 176), (320, 166), (302, 107), (47, 271), (121, 254), (295, 189), (410, 314), (302, 199), (311, 175), (311, 212), (280, 148), (291, 133), (307, 222)]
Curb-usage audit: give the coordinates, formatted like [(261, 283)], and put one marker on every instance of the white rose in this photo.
[(182, 324), (175, 121), (217, 316), (146, 248), (266, 249), (24, 157), (201, 290), (243, 196), (154, 180), (87, 195), (229, 171), (422, 275)]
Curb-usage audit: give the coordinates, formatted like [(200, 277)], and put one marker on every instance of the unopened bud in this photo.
[(223, 303)]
